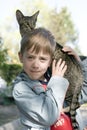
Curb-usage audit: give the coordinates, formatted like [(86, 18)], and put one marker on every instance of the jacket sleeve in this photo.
[(83, 96), (39, 106)]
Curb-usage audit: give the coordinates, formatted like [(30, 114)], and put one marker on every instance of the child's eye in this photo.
[(30, 57), (43, 59)]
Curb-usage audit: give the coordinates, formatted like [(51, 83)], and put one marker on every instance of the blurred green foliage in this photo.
[(3, 53), (9, 71)]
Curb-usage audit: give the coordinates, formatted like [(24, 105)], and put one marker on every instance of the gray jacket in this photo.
[(39, 108), (83, 96)]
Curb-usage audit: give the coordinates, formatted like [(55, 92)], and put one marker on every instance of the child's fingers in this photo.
[(61, 64), (85, 128), (64, 69), (59, 68)]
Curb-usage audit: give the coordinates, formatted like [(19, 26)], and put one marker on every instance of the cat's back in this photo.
[(74, 71)]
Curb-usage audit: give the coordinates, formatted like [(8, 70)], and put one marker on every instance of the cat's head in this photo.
[(26, 23)]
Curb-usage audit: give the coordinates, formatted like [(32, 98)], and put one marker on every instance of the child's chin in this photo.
[(34, 78)]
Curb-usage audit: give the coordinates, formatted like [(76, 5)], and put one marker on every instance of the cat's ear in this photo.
[(19, 15), (34, 16)]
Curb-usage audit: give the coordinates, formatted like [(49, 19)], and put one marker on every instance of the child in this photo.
[(35, 92)]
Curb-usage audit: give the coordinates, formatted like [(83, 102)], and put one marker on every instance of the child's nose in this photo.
[(36, 63)]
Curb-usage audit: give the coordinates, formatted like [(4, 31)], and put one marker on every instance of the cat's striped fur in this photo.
[(75, 76), (73, 73), (26, 23)]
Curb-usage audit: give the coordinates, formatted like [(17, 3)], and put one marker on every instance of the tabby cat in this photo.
[(26, 23), (73, 74)]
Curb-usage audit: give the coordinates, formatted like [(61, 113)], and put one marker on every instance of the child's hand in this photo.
[(85, 128), (59, 68), (70, 51)]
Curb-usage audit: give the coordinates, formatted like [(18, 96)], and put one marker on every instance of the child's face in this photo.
[(35, 65)]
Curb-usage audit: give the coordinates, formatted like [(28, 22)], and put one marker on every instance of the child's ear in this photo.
[(20, 57)]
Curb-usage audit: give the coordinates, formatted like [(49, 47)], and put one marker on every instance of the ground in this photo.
[(8, 113)]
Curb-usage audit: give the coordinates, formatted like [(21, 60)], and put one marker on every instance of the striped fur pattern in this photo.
[(75, 76), (73, 73), (26, 23)]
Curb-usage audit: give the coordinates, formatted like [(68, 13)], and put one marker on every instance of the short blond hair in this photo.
[(39, 39)]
